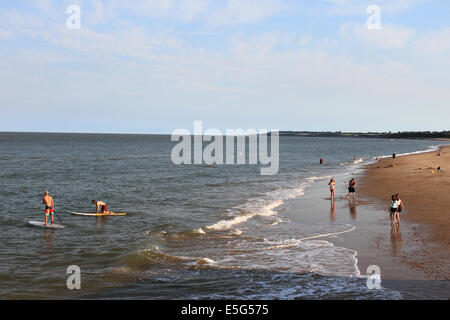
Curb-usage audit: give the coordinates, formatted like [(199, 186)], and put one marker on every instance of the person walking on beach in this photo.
[(352, 188), (49, 206), (332, 185), (394, 211), (400, 204)]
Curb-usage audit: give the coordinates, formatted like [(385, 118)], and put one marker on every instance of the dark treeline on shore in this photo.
[(382, 135)]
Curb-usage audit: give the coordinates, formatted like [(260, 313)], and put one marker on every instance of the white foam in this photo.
[(265, 211), (203, 261), (199, 230), (331, 234), (236, 232), (429, 149), (314, 178), (264, 207)]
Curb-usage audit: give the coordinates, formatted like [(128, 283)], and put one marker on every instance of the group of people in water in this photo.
[(351, 189), (394, 210), (101, 207)]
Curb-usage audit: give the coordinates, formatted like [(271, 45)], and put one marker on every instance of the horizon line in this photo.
[(300, 131)]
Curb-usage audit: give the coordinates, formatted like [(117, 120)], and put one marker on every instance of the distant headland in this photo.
[(433, 135)]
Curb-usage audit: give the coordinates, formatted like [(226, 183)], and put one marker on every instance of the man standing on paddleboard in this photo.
[(49, 205), (102, 205)]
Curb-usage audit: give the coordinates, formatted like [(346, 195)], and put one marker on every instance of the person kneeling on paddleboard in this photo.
[(49, 205), (101, 205)]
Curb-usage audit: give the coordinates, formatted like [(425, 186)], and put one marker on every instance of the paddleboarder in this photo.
[(49, 206), (100, 205)]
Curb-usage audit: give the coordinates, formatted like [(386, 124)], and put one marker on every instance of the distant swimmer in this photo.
[(322, 160), (332, 185), (352, 188), (378, 161), (101, 205), (49, 206)]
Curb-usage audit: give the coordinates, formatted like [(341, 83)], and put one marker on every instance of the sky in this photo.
[(153, 66)]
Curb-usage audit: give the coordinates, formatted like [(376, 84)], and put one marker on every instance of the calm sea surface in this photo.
[(192, 231)]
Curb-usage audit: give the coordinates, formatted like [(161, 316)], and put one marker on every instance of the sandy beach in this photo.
[(425, 224)]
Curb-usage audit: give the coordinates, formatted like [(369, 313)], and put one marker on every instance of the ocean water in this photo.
[(193, 231)]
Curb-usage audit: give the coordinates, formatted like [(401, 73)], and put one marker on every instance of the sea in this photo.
[(193, 231)]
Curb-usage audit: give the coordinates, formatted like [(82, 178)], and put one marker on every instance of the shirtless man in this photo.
[(102, 205), (49, 205)]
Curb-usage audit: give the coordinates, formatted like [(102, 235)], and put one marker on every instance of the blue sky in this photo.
[(149, 66)]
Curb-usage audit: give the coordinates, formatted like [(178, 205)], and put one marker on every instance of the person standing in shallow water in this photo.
[(392, 209), (395, 209), (332, 185), (352, 188), (400, 205)]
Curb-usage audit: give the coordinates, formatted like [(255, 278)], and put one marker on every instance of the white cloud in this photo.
[(358, 7), (14, 19), (305, 40), (388, 37), (5, 34), (244, 11), (435, 42)]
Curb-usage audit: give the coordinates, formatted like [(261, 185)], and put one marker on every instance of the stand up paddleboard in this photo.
[(98, 214), (48, 225)]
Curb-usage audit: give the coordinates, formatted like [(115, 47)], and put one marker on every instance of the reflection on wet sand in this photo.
[(396, 240), (352, 208), (333, 211)]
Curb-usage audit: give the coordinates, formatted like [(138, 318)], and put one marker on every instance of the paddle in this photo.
[(58, 217)]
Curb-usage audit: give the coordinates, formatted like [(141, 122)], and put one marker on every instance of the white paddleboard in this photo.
[(48, 225), (90, 214)]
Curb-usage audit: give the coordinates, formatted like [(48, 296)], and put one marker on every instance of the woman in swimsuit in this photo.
[(332, 184), (400, 205), (392, 207), (394, 211)]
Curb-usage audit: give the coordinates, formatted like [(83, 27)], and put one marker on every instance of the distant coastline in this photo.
[(418, 135), (427, 135)]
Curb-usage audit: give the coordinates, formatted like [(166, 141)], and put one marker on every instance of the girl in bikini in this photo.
[(332, 184)]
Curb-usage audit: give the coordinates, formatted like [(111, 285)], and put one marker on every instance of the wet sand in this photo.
[(426, 195), (415, 260)]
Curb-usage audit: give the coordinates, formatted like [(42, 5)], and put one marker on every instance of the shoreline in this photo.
[(412, 263), (425, 223)]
